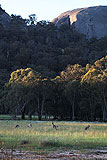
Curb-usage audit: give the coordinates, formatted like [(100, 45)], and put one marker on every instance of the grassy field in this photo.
[(41, 137)]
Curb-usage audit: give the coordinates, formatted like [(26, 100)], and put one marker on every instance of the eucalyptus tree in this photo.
[(71, 91), (16, 99), (33, 92), (59, 109), (73, 72), (71, 78), (89, 84), (42, 90), (18, 94), (32, 19), (101, 81)]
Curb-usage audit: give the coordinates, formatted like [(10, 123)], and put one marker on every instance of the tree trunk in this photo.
[(105, 110), (42, 106), (104, 114), (23, 115), (92, 107), (39, 113), (23, 111), (14, 117), (72, 102), (30, 116), (73, 114), (92, 112)]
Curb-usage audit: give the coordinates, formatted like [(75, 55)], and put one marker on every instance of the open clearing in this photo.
[(41, 141)]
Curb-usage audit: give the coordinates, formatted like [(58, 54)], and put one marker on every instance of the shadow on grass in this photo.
[(47, 143)]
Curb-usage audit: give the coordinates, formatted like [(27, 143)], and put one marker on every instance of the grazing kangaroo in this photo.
[(54, 126), (29, 125), (17, 126), (87, 127)]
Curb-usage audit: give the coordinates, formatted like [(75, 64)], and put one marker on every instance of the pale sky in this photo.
[(45, 9)]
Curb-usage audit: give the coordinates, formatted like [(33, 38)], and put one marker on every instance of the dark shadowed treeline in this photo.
[(64, 75), (79, 93)]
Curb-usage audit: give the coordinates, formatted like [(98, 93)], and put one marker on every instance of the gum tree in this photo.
[(31, 91)]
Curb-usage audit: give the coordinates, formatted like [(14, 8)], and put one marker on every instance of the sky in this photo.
[(45, 9)]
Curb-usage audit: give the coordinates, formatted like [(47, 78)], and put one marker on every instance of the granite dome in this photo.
[(91, 21)]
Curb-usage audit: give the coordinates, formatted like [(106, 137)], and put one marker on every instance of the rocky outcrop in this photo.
[(91, 21), (4, 18)]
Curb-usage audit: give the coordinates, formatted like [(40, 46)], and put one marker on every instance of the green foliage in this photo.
[(74, 72), (24, 76), (22, 46)]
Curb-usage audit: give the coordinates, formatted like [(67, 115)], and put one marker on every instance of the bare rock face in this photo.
[(91, 21), (4, 18)]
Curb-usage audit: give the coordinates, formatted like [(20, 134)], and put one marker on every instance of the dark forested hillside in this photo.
[(63, 74)]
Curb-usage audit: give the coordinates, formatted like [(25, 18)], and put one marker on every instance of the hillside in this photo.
[(44, 46), (51, 70), (4, 18)]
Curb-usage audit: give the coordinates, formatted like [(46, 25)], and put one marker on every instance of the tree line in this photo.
[(78, 93)]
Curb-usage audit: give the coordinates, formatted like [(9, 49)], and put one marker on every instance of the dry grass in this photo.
[(43, 137)]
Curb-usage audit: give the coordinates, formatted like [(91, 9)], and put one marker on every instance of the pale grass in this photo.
[(42, 135)]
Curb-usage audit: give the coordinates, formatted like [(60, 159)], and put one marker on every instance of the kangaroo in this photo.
[(29, 125), (17, 126), (87, 127), (54, 126)]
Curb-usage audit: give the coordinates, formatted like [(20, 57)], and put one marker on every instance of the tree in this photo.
[(59, 109), (71, 92), (89, 84), (18, 94), (32, 19), (37, 88), (16, 100), (101, 81), (73, 72)]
